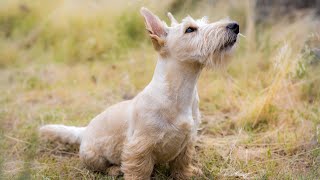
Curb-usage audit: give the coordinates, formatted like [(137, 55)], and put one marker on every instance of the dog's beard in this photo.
[(221, 49), (229, 42), (219, 59)]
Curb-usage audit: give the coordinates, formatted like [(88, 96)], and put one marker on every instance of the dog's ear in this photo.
[(173, 20), (155, 27)]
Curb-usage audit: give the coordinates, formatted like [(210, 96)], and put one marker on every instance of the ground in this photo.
[(65, 63)]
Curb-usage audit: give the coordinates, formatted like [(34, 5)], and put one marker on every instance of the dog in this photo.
[(160, 124)]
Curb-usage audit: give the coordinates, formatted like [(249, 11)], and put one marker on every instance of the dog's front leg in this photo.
[(181, 167), (137, 161)]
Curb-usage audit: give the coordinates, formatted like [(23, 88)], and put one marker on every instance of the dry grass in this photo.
[(65, 61)]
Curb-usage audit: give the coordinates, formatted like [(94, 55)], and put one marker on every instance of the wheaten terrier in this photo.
[(160, 124)]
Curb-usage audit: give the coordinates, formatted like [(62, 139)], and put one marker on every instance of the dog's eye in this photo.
[(190, 29)]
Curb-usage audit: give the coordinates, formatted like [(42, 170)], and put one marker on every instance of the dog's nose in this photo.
[(234, 27)]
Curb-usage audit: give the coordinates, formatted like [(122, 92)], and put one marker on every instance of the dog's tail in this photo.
[(62, 133)]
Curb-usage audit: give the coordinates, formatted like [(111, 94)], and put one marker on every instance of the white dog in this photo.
[(160, 124)]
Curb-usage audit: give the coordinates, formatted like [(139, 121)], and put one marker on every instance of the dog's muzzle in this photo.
[(232, 31), (233, 27)]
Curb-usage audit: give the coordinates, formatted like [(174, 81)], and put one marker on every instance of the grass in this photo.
[(64, 62)]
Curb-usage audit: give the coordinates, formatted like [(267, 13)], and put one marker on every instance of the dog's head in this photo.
[(192, 40)]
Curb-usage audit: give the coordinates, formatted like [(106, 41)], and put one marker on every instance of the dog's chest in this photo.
[(173, 139)]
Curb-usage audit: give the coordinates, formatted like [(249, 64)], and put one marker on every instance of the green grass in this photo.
[(64, 62)]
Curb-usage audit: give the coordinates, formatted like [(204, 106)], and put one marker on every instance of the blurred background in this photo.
[(65, 61)]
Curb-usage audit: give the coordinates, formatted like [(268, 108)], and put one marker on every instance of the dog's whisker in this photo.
[(240, 34)]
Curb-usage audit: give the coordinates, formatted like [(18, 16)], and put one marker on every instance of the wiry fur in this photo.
[(62, 133), (160, 124)]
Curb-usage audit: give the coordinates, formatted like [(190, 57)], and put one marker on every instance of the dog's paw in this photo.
[(197, 171), (114, 171), (190, 172)]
